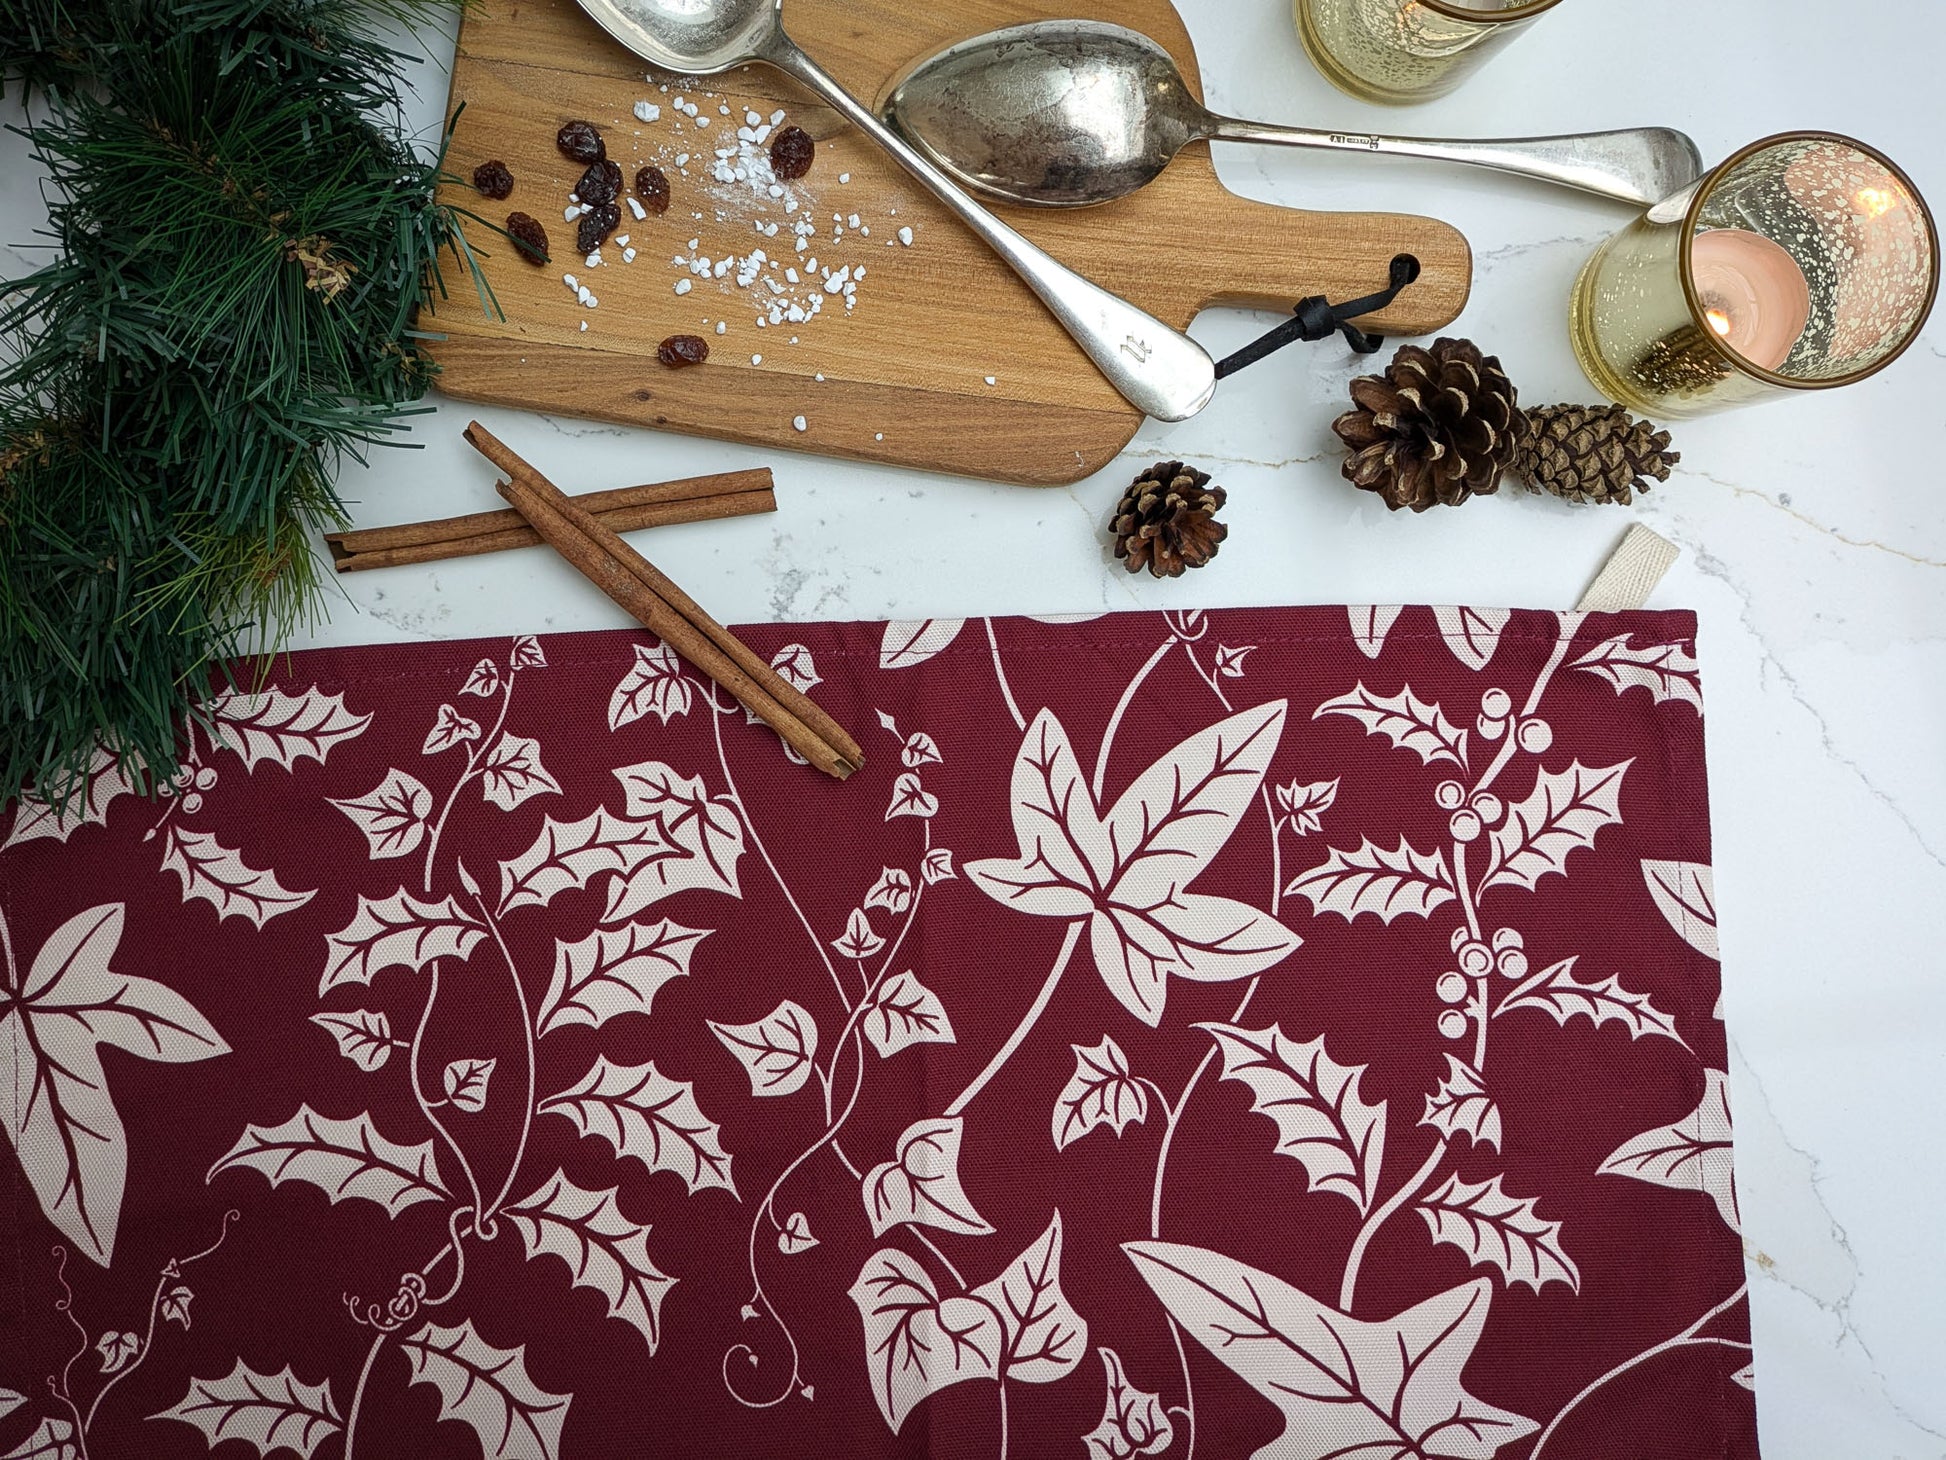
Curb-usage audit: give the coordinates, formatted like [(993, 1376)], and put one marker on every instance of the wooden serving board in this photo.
[(904, 371)]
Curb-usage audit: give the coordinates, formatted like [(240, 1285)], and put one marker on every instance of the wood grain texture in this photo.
[(904, 373)]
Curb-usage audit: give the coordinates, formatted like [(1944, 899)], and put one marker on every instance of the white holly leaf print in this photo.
[(1369, 626), (10, 1400), (911, 798), (116, 1349), (364, 1037), (1409, 722), (283, 728), (571, 854), (1686, 894), (904, 1012), (654, 683), (795, 1235), (342, 1158), (858, 940), (397, 932), (484, 681), (1347, 1388), (221, 878), (1229, 659), (1691, 1154), (916, 1343), (269, 1411), (1666, 671), (392, 814), (53, 1439), (512, 771), (645, 1115), (1561, 815), (1324, 1123), (1372, 880), (1045, 1336), (1461, 1106), (937, 866), (921, 1184), (1133, 1421), (1556, 992), (913, 641), (1306, 804), (86, 805), (794, 666), (1101, 1091), (526, 654), (1746, 1376), (706, 837), (465, 1082), (449, 729), (1490, 1226), (920, 749), (892, 891), (175, 1305), (59, 1118), (1472, 633), (615, 971), (776, 1051), (603, 1249), (489, 1390)]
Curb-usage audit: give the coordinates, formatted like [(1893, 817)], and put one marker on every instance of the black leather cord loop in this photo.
[(1316, 319)]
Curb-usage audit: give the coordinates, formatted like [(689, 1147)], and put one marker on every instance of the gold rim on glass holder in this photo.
[(1476, 16)]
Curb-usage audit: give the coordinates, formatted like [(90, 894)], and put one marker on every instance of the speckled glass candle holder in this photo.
[(1398, 51), (1804, 262)]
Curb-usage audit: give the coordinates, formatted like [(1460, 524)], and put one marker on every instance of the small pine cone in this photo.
[(1591, 454), (1438, 426), (1166, 520)]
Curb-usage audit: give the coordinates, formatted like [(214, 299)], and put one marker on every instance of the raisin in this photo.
[(595, 226), (680, 350), (493, 179), (652, 189), (581, 141), (599, 184), (530, 239), (791, 151)]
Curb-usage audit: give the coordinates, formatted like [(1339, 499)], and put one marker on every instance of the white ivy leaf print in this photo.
[(907, 642), (920, 749), (1685, 892), (1746, 1376), (1346, 1387), (794, 666), (937, 866), (645, 1115), (1133, 1421), (1101, 1091), (911, 798), (858, 940), (59, 1118), (776, 1052), (484, 681), (706, 837), (1555, 991), (795, 1235), (1229, 659), (1064, 854), (116, 1349), (1306, 804), (1045, 1337), (1490, 1226), (268, 1411), (511, 772), (615, 971), (526, 654), (1472, 633), (364, 1037), (465, 1082), (571, 854), (1372, 880), (921, 1184), (392, 815), (603, 1249), (892, 891), (10, 1400), (1690, 1154), (283, 728), (1369, 626), (916, 1343), (86, 805), (53, 1439), (1461, 1106), (654, 683), (1666, 671), (489, 1390), (888, 722), (449, 729), (1561, 815), (222, 878), (175, 1305), (397, 932), (342, 1158), (1324, 1123), (1409, 722), (904, 1012)]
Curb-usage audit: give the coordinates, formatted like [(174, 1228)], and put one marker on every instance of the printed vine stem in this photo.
[(1000, 674), (1027, 1021), (59, 1385), (485, 1224), (473, 759), (1121, 709), (358, 1394)]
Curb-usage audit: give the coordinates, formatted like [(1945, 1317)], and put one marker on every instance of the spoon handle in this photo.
[(1640, 165), (1159, 370)]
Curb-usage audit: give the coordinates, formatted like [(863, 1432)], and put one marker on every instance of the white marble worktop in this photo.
[(1814, 549)]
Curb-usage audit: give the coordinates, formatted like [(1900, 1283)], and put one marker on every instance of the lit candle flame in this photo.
[(1718, 320), (1875, 202)]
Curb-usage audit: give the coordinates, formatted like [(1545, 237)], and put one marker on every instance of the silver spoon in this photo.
[(1067, 113), (1159, 370)]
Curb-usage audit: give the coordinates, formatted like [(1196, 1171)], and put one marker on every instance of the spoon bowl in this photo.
[(695, 37)]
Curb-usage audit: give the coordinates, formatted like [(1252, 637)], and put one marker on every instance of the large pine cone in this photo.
[(1591, 453), (1438, 427), (1166, 520)]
